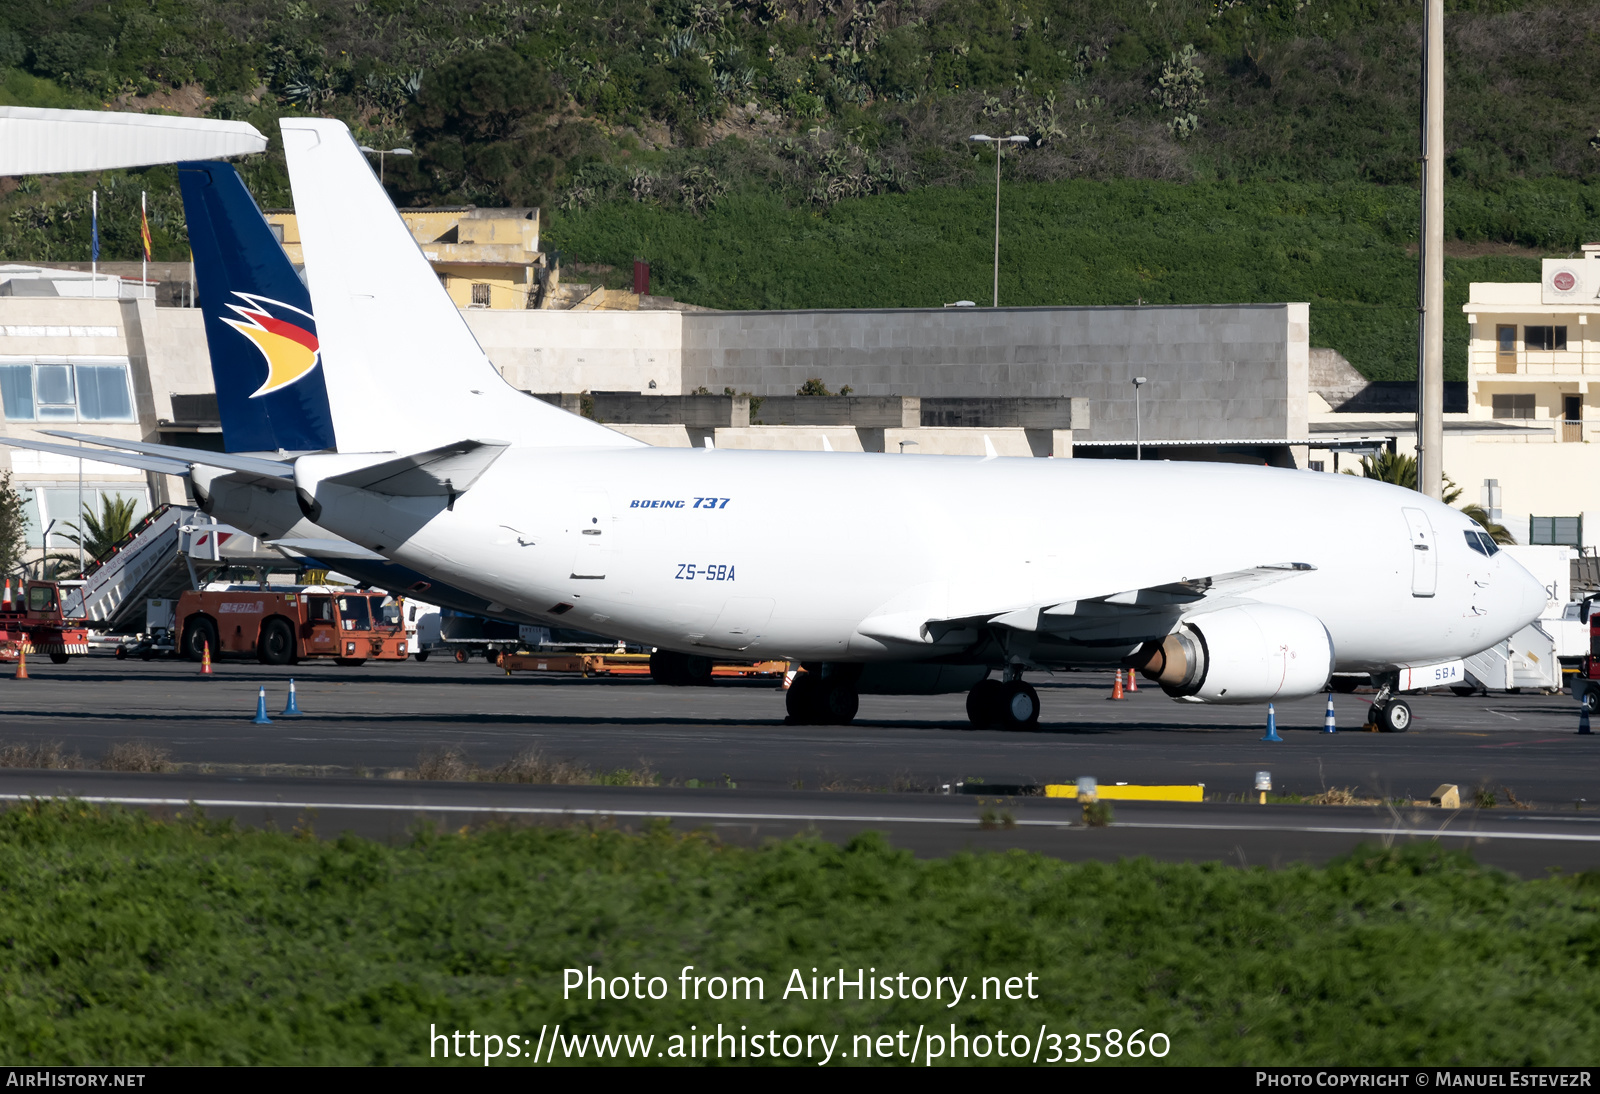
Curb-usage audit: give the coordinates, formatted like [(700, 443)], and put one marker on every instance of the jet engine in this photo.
[(1247, 654)]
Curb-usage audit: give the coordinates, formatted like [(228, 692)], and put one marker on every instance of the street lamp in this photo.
[(381, 152), (984, 138), (905, 444), (1138, 436)]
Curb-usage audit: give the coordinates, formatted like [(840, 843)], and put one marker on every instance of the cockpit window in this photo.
[(1475, 543), (1489, 545)]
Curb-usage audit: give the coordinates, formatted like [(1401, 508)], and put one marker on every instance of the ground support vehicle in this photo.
[(283, 624), (1586, 683), (638, 664), (31, 620)]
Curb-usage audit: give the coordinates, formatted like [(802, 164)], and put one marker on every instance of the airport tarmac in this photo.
[(731, 736)]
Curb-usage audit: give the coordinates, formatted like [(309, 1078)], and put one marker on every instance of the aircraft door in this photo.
[(592, 522), (1424, 553)]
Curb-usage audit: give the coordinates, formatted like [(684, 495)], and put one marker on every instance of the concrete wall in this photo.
[(1215, 372), (584, 351)]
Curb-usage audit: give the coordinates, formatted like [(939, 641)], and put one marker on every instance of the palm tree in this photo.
[(1401, 470), (97, 535)]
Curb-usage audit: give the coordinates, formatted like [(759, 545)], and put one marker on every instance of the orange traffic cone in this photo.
[(5, 603), (1133, 682), (205, 659), (22, 662), (1116, 686)]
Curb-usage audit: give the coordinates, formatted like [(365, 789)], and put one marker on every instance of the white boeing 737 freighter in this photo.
[(1236, 584)]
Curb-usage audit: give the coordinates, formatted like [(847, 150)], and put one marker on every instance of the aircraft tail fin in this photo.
[(265, 356), (399, 360)]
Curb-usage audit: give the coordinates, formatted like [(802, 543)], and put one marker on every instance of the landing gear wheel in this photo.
[(197, 634), (803, 700), (666, 668), (839, 703), (461, 657), (1019, 706), (697, 671), (276, 644), (984, 703), (1344, 685), (1395, 718), (492, 656)]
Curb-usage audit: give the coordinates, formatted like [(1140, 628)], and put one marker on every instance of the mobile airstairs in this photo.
[(172, 549)]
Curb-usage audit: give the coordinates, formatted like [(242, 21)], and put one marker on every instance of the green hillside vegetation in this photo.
[(130, 941), (694, 133)]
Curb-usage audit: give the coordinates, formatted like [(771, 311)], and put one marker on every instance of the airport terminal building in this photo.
[(1238, 383)]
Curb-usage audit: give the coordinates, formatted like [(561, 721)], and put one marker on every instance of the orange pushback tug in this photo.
[(30, 617), (279, 625)]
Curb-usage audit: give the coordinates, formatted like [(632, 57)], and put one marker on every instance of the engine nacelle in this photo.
[(1249, 654)]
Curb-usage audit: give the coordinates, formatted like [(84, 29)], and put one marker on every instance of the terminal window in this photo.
[(1544, 337), (1513, 406), (65, 389)]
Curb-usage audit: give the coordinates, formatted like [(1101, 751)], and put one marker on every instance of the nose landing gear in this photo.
[(1388, 714)]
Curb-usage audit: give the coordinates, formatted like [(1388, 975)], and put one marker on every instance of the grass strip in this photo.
[(132, 940)]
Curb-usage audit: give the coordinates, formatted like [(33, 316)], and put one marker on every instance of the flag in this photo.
[(144, 227), (94, 226)]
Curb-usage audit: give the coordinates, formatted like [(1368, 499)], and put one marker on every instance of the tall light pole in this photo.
[(1430, 356), (1138, 432), (381, 152), (998, 142)]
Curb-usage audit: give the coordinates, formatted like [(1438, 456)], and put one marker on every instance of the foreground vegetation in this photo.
[(133, 941)]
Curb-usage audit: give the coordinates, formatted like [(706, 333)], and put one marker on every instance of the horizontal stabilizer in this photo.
[(228, 461), (159, 464), (439, 472), (325, 548)]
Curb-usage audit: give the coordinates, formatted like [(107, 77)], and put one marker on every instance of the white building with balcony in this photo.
[(1533, 360)]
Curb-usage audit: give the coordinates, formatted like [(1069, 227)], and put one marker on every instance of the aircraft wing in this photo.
[(439, 472), (325, 548), (40, 141), (1111, 618)]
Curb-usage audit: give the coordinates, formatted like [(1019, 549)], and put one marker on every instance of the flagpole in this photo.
[(94, 244), (144, 248)]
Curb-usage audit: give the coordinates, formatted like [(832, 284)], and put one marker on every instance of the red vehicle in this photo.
[(279, 626), (1586, 685), (30, 618)]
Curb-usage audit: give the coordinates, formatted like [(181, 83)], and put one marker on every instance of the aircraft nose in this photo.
[(1525, 597)]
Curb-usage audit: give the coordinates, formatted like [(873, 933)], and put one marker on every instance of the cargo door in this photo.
[(592, 524), (1424, 553)]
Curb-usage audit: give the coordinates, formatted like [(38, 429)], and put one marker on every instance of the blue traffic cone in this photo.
[(1328, 724), (1272, 725), (291, 707), (261, 718), (1583, 719)]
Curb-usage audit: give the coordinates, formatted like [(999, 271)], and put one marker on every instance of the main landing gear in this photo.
[(824, 698), (1008, 704)]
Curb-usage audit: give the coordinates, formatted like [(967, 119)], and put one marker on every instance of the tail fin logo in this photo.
[(285, 335)]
